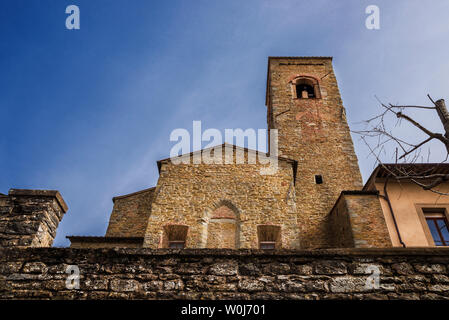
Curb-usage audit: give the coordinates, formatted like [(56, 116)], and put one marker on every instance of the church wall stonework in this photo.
[(357, 221), (367, 221), (130, 214), (188, 194), (41, 273), (105, 242)]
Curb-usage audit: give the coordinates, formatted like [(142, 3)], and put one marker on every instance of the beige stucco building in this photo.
[(315, 198), (414, 217)]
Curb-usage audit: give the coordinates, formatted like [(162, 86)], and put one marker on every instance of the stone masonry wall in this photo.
[(340, 232), (316, 134), (105, 242), (368, 225), (41, 273), (29, 218), (130, 214), (188, 194), (357, 221)]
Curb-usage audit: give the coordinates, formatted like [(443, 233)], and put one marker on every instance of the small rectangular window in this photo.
[(267, 245), (438, 226), (175, 236), (269, 236), (318, 179), (176, 244)]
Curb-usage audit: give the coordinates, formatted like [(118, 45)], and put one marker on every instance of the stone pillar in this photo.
[(29, 218)]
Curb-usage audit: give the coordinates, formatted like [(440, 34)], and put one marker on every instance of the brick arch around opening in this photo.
[(305, 79), (221, 226)]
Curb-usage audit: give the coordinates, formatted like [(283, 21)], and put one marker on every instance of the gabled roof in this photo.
[(403, 169), (228, 145), (133, 193)]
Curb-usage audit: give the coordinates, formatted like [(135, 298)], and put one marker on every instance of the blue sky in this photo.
[(89, 112)]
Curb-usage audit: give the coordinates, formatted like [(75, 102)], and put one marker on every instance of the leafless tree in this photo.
[(380, 138)]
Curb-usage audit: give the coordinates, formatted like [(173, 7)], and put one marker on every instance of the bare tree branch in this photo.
[(380, 130), (415, 147)]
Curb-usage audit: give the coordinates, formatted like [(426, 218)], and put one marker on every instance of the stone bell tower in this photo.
[(304, 104)]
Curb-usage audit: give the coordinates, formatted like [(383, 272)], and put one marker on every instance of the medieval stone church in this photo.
[(314, 200), (153, 247)]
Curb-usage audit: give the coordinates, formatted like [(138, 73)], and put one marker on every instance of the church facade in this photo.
[(315, 199)]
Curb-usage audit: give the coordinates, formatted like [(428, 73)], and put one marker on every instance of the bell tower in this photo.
[(303, 102)]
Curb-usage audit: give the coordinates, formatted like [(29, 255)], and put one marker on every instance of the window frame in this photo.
[(262, 229), (176, 242), (425, 209), (438, 217), (174, 233), (262, 243), (311, 88), (306, 80)]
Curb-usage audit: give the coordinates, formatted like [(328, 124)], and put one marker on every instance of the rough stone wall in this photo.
[(188, 194), (222, 233), (340, 232), (95, 245), (367, 221), (130, 214), (41, 273), (29, 218), (357, 221), (316, 134), (223, 229), (105, 242)]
